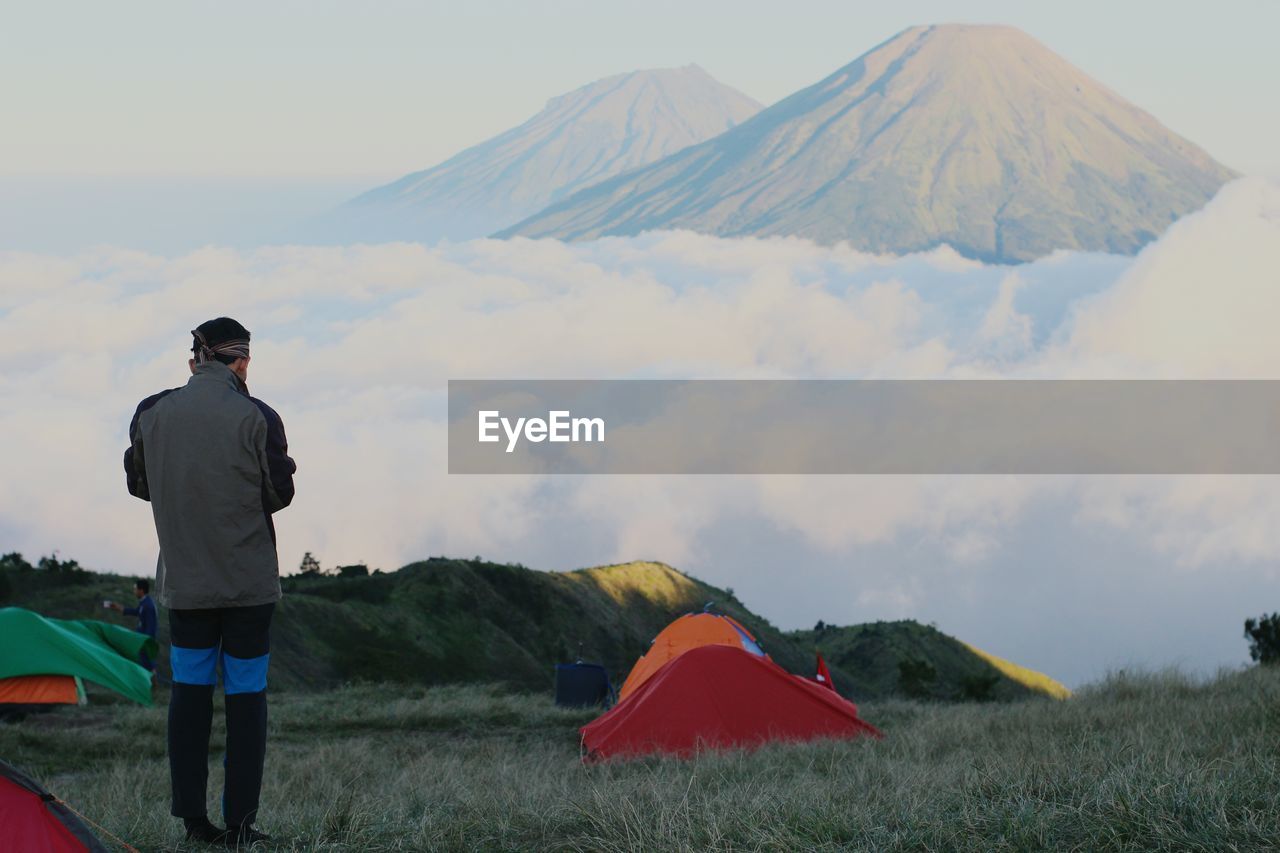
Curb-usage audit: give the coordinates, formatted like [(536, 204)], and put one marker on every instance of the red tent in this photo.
[(31, 819), (716, 697)]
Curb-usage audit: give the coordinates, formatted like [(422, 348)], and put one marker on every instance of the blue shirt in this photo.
[(146, 613)]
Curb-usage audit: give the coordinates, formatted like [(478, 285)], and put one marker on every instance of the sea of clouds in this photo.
[(353, 346)]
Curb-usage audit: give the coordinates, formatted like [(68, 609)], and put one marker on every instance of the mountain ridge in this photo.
[(442, 621), (973, 135)]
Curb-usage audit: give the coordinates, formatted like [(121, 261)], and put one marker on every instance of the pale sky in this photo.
[(343, 90)]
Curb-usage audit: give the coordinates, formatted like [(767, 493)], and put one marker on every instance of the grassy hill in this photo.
[(907, 658), (443, 621)]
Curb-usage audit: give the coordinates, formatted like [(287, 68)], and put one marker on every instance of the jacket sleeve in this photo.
[(277, 476), (148, 617), (135, 468)]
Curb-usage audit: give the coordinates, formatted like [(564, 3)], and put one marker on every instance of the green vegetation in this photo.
[(1136, 762), (446, 621), (1263, 635), (906, 658), (46, 573)]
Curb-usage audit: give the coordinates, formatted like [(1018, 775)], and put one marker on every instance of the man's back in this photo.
[(213, 462)]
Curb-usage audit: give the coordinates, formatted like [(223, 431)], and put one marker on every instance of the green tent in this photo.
[(95, 651)]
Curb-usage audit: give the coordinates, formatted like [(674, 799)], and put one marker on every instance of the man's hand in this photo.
[(116, 606)]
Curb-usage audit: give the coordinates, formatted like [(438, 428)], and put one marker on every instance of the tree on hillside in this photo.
[(13, 561), (63, 572), (1263, 635), (310, 566), (49, 570), (916, 677), (979, 688), (357, 570), (53, 565)]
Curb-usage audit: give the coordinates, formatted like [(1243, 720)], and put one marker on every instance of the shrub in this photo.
[(310, 566), (62, 572), (13, 561), (1263, 635), (979, 688), (916, 677), (54, 566)]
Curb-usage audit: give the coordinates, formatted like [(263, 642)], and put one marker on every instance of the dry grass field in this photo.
[(1137, 762)]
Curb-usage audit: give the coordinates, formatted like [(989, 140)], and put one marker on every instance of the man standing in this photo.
[(214, 464), (146, 613)]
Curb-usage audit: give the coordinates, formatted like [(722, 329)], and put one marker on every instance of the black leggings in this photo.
[(235, 640)]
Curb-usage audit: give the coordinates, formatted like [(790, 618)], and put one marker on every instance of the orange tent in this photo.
[(690, 631), (39, 690)]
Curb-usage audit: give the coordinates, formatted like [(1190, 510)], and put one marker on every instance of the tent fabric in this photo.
[(717, 697), (95, 651), (823, 675), (581, 685), (39, 690), (35, 822), (689, 632)]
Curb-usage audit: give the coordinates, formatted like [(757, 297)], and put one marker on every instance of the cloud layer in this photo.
[(354, 345)]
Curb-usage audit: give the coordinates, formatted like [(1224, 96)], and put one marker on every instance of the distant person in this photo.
[(146, 614), (214, 463)]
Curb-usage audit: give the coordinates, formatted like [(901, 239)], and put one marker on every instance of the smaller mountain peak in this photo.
[(693, 69)]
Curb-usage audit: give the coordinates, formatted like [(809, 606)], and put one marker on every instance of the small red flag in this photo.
[(824, 675)]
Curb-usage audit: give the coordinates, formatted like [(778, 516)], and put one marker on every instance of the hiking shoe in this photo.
[(200, 829), (245, 836)]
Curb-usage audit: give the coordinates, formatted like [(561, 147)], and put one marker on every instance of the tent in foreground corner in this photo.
[(690, 631), (95, 651), (33, 819), (714, 697)]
